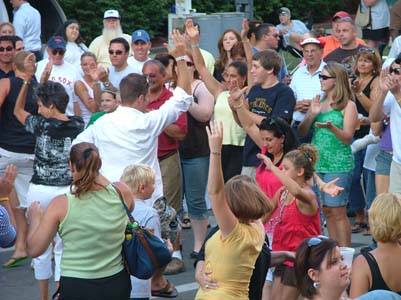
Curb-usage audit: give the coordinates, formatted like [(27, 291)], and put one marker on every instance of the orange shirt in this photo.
[(331, 44)]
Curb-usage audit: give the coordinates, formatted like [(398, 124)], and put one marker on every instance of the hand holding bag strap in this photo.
[(138, 230)]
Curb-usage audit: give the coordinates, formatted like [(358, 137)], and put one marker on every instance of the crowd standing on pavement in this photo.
[(282, 157)]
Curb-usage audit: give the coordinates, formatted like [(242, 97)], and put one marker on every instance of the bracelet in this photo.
[(4, 199), (96, 83), (180, 58), (216, 153), (240, 105), (360, 94), (26, 82), (194, 46), (107, 84)]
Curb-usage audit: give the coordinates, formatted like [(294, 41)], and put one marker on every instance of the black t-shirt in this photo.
[(52, 150), (3, 74), (276, 101), (343, 56)]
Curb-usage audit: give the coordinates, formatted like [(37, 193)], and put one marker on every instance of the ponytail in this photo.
[(86, 161)]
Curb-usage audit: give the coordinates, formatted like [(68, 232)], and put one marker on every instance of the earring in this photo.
[(316, 284)]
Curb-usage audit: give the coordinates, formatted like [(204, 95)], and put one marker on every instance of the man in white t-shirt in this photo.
[(140, 46), (111, 30), (56, 69)]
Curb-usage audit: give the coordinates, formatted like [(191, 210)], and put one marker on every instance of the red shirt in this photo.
[(167, 144)]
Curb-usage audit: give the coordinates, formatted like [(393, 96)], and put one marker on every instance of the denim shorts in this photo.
[(383, 163), (341, 199)]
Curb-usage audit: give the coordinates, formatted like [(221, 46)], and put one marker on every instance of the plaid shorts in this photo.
[(169, 223)]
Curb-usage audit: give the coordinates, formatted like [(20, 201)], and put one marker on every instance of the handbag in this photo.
[(143, 252), (362, 19)]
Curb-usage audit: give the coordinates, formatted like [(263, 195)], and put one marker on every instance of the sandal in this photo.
[(186, 223), (169, 291), (14, 262), (367, 231), (358, 226)]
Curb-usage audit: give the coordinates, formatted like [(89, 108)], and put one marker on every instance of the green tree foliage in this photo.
[(152, 15)]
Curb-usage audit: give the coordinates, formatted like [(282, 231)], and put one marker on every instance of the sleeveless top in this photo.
[(293, 227), (233, 133), (364, 129), (85, 112), (196, 142), (334, 155), (378, 282), (92, 233), (13, 136)]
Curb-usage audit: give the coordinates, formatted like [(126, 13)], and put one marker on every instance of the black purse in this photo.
[(143, 252)]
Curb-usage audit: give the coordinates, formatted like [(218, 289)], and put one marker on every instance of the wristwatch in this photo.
[(107, 84)]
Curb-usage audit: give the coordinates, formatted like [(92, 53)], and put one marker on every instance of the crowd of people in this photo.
[(282, 158)]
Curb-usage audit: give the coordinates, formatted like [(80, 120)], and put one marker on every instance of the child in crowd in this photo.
[(108, 103), (140, 179), (298, 216), (54, 132)]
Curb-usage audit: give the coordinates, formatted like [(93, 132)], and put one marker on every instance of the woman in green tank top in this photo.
[(334, 119), (91, 222)]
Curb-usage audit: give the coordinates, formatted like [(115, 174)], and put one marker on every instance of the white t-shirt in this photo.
[(392, 108), (147, 217), (136, 64), (116, 77), (67, 75)]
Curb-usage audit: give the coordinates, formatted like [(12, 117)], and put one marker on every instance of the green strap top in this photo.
[(334, 155), (92, 233)]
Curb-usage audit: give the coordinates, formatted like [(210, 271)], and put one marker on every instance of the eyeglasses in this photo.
[(190, 64), (273, 35), (366, 50), (325, 77), (58, 51), (6, 49), (314, 241), (396, 71), (117, 52)]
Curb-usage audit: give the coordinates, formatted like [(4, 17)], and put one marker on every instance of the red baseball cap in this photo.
[(340, 14)]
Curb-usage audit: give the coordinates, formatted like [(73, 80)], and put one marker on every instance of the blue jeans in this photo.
[(195, 172), (370, 186), (356, 197), (342, 198)]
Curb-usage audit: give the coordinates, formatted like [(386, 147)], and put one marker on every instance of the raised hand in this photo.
[(35, 213), (245, 29), (266, 160), (30, 66), (236, 97), (47, 71), (179, 44), (7, 180), (384, 81), (215, 135), (192, 31), (102, 73), (315, 106)]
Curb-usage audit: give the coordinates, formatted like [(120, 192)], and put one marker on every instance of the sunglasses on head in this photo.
[(6, 49), (58, 51), (366, 50), (325, 77), (20, 49), (314, 241), (117, 52), (396, 71)]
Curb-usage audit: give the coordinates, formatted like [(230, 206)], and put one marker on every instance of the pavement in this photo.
[(18, 283)]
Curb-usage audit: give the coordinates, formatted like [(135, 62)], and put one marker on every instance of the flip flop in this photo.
[(15, 262), (164, 292), (186, 223)]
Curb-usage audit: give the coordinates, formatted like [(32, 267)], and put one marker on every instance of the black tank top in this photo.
[(196, 142), (378, 282), (364, 130), (13, 136)]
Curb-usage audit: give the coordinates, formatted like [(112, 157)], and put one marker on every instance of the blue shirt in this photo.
[(28, 26), (297, 27)]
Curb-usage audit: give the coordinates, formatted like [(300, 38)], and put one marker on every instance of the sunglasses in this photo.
[(190, 64), (396, 71), (325, 77), (58, 51), (117, 52), (6, 49), (314, 241), (274, 35), (366, 50)]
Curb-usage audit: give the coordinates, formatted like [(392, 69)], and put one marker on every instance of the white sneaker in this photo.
[(362, 143)]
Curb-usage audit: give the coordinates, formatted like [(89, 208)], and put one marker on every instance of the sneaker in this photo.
[(175, 266), (362, 143)]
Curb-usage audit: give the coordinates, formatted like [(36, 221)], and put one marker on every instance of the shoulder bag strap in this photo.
[(130, 217)]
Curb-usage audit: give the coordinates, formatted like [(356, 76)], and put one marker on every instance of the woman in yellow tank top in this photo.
[(232, 251)]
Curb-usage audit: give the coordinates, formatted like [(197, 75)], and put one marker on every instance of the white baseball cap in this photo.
[(111, 13)]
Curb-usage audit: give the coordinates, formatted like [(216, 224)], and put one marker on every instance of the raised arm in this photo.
[(376, 111), (203, 110), (213, 85), (248, 50), (310, 116), (238, 105), (82, 92), (215, 186), (183, 76), (19, 109)]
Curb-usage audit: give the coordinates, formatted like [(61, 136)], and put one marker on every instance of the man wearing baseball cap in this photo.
[(305, 82), (56, 69), (111, 30), (292, 31), (331, 42), (140, 46)]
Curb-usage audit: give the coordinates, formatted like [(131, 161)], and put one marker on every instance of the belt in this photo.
[(167, 155)]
